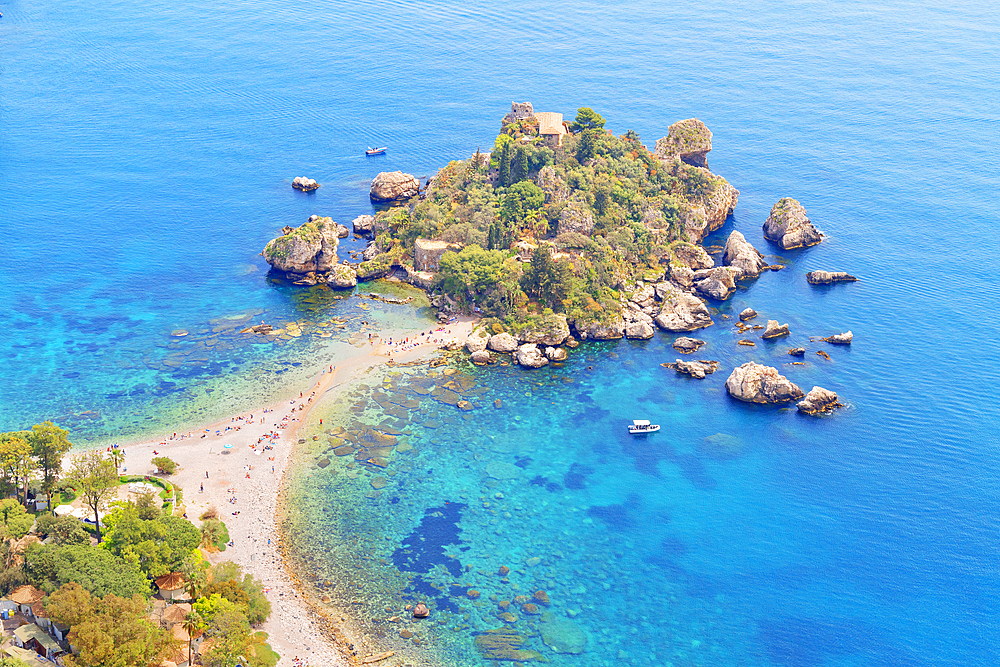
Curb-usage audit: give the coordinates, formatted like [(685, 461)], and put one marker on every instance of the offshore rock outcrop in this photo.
[(788, 226), (775, 330), (818, 401), (740, 254), (307, 255), (829, 277), (754, 383), (393, 186), (840, 339), (529, 356), (304, 184), (718, 283), (697, 369)]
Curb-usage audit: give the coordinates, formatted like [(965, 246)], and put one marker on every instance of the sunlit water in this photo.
[(146, 154)]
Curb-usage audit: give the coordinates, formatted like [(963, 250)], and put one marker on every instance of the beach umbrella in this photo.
[(228, 446)]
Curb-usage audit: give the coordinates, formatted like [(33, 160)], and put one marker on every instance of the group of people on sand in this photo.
[(299, 662), (410, 342)]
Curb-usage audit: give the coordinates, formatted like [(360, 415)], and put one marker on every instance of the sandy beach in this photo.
[(237, 465)]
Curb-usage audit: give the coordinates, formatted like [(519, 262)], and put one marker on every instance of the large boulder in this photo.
[(555, 354), (740, 254), (370, 252), (502, 342), (818, 400), (477, 340), (529, 356), (639, 330), (343, 232), (393, 186), (311, 247), (576, 217), (427, 253), (840, 339), (548, 330), (304, 184), (364, 225), (594, 330), (829, 277), (680, 311), (718, 283), (480, 357), (555, 188), (788, 226), (775, 330), (754, 383), (690, 140), (747, 314), (342, 276), (683, 259), (696, 369), (686, 345)]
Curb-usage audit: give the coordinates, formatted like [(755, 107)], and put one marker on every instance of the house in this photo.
[(26, 596), (175, 613), (33, 638), (25, 656), (551, 127), (171, 586), (42, 619)]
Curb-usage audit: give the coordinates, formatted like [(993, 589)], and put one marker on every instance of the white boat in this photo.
[(642, 426)]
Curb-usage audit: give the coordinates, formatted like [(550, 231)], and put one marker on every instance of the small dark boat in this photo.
[(376, 151)]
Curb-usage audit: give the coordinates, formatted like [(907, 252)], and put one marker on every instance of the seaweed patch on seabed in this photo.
[(426, 548)]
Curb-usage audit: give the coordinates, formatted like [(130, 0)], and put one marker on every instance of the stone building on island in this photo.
[(551, 126)]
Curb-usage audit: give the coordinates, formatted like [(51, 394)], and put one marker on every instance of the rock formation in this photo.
[(775, 330), (788, 226), (741, 255), (576, 217), (718, 283), (696, 369), (393, 186), (342, 276), (549, 330), (364, 225), (502, 342), (477, 341), (747, 314), (754, 383), (600, 330), (797, 351), (304, 184), (529, 356), (305, 254), (690, 140), (480, 357), (829, 277), (840, 339), (555, 354), (818, 400), (343, 232), (639, 331), (686, 345), (680, 311)]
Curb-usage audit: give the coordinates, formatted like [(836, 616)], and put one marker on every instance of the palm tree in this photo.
[(117, 457), (192, 623)]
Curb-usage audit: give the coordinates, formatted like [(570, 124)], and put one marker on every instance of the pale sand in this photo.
[(293, 629)]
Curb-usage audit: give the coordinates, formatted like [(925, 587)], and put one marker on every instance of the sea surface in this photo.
[(146, 155)]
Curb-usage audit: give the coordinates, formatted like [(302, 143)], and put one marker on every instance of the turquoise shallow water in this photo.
[(146, 153)]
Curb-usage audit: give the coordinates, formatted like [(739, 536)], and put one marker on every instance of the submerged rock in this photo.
[(562, 635), (741, 255), (840, 339), (829, 277), (788, 226), (686, 345), (754, 383), (721, 446), (480, 357), (775, 330), (818, 400), (421, 611), (393, 185)]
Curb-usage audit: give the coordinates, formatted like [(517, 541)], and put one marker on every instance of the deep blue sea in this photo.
[(146, 155)]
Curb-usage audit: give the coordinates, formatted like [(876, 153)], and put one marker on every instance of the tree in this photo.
[(193, 623), (96, 569), (504, 176), (231, 632), (71, 605), (589, 145), (243, 590), (471, 269), (157, 545), (97, 480), (63, 529), (15, 520), (49, 445), (587, 119), (118, 634), (519, 167), (545, 279), (164, 465), (117, 457), (16, 463), (521, 206)]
